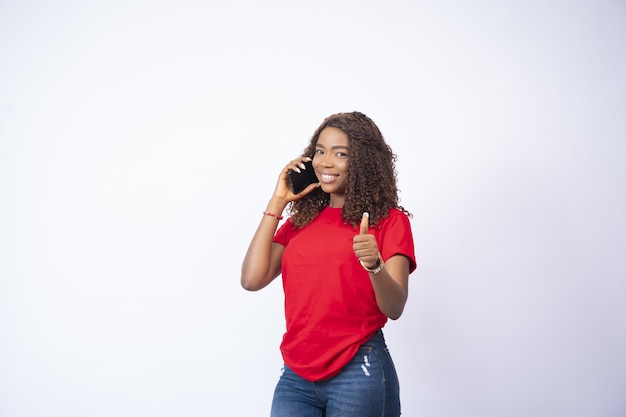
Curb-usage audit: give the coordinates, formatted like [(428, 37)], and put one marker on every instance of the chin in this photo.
[(333, 190)]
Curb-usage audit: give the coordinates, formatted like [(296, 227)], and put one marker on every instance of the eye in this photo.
[(319, 152), (342, 154)]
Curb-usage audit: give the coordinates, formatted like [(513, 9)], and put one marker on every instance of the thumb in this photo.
[(365, 223)]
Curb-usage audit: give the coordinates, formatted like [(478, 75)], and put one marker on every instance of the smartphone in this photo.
[(299, 181)]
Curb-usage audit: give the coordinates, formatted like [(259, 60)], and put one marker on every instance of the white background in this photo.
[(140, 141)]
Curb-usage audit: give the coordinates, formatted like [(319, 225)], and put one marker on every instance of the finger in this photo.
[(365, 223), (310, 188), (299, 163)]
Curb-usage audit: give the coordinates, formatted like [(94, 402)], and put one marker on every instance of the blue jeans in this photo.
[(366, 387)]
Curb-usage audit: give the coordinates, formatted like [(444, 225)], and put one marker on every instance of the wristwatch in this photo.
[(377, 268)]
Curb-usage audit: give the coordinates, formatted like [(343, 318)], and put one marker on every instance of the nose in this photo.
[(326, 161)]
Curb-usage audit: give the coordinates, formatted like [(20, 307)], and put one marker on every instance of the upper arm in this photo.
[(276, 258), (398, 267), (259, 275)]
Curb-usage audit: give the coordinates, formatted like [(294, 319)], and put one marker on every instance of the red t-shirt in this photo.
[(330, 305)]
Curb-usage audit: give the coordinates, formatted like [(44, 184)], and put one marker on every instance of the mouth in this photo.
[(328, 177)]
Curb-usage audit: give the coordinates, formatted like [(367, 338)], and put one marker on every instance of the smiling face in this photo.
[(330, 163)]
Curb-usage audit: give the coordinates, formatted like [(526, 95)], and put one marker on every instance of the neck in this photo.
[(336, 201)]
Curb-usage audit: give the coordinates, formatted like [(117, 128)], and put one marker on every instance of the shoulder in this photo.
[(396, 227), (396, 216), (397, 212)]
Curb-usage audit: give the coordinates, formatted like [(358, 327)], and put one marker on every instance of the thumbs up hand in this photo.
[(364, 244)]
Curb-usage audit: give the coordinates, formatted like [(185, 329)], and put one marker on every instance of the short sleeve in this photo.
[(396, 238), (284, 233)]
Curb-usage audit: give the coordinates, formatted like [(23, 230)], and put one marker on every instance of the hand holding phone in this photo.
[(300, 180)]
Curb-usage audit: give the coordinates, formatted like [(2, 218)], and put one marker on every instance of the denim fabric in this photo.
[(366, 387)]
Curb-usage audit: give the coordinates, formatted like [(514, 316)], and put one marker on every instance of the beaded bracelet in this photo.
[(267, 213)]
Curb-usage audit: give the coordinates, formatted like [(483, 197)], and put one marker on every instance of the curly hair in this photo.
[(371, 175)]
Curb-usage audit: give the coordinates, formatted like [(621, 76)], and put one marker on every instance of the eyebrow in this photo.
[(333, 147)]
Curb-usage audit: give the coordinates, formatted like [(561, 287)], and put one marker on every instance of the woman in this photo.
[(345, 255)]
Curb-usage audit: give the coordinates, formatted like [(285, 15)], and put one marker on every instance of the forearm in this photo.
[(257, 269), (391, 287)]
